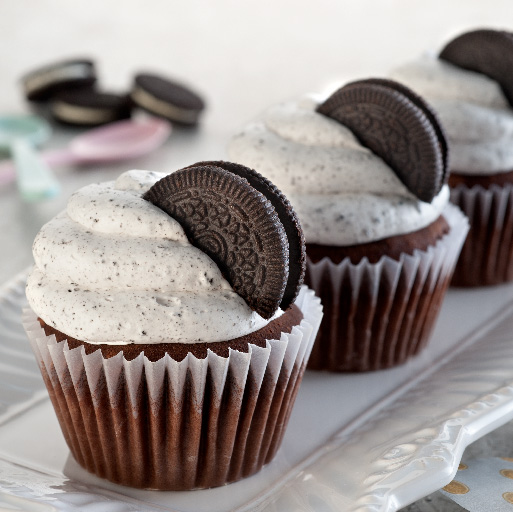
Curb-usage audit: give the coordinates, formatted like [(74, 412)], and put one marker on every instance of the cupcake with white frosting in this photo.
[(379, 257), (472, 92), (161, 374)]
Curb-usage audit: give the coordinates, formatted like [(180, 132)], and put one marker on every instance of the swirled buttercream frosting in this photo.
[(475, 113), (343, 193), (114, 268)]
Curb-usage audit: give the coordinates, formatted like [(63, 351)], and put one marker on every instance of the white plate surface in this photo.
[(362, 442)]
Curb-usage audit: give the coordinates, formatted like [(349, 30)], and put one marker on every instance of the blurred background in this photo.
[(240, 56)]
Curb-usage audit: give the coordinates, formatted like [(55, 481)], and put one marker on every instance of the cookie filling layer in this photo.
[(342, 192), (88, 115), (163, 108), (114, 268)]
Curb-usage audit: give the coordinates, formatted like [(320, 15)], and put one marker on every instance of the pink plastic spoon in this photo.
[(117, 141)]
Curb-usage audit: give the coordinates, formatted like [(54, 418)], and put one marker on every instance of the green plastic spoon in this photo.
[(20, 135)]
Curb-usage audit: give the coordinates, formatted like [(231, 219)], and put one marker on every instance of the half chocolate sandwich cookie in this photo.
[(223, 212), (485, 51), (287, 216), (427, 110), (397, 125)]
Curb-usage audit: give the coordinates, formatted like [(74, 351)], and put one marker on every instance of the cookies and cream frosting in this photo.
[(476, 116), (343, 193), (114, 268)]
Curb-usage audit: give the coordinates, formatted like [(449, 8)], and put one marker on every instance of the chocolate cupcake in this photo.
[(472, 92), (379, 256), (162, 375)]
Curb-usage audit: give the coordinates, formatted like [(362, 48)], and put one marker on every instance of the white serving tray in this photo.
[(355, 442)]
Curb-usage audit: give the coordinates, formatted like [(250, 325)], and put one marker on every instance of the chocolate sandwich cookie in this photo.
[(166, 98), (485, 51), (428, 111), (86, 107), (289, 219), (397, 125), (41, 84), (227, 217)]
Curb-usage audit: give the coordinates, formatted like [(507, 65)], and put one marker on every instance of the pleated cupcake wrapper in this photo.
[(487, 255), (377, 315), (174, 425)]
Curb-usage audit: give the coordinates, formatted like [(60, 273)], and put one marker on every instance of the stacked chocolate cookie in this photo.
[(69, 88)]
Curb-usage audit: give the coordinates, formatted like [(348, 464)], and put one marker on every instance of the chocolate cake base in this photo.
[(487, 255), (378, 313), (165, 426), (483, 180), (392, 246), (178, 351)]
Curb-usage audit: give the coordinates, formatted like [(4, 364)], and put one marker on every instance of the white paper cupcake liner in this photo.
[(377, 315), (487, 255), (174, 425)]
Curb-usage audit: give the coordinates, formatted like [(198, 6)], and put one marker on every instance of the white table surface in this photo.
[(241, 55)]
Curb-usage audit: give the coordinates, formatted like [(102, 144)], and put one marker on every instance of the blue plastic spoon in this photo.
[(20, 135)]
